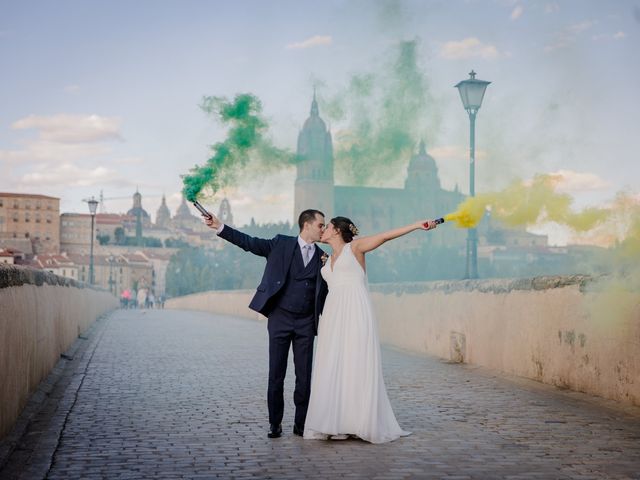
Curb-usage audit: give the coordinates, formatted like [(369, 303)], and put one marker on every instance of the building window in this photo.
[(15, 217), (48, 218), (38, 204), (27, 217), (27, 204), (37, 218), (1, 202)]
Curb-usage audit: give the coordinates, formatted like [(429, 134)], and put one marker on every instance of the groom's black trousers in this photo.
[(286, 329)]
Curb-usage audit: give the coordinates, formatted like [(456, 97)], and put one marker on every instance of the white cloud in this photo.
[(517, 12), (72, 88), (551, 8), (580, 27), (70, 175), (608, 36), (68, 128), (468, 48), (571, 181), (46, 151), (314, 41), (569, 35)]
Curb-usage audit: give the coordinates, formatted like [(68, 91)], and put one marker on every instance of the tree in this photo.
[(103, 239), (119, 235)]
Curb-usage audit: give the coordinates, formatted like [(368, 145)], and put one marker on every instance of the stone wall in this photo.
[(569, 331), (41, 315)]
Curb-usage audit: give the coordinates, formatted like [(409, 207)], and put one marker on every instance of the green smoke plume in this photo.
[(386, 113), (246, 143)]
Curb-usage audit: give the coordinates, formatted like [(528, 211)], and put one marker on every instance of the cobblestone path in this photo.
[(176, 394)]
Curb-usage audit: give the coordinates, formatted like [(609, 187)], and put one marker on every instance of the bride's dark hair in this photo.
[(346, 228)]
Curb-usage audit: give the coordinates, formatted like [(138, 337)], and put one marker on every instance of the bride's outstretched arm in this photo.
[(371, 242)]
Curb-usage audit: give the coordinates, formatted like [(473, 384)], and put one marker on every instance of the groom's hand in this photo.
[(212, 222)]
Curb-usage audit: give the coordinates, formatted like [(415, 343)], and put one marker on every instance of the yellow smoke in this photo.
[(527, 203), (613, 302)]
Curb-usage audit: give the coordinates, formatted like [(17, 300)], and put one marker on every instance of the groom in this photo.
[(291, 295)]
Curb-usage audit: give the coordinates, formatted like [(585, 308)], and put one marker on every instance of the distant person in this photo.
[(151, 299), (142, 298), (348, 395), (291, 294)]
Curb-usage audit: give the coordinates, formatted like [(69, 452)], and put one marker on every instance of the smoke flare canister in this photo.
[(202, 210), (437, 220)]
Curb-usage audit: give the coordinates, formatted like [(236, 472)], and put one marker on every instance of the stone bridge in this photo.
[(181, 394)]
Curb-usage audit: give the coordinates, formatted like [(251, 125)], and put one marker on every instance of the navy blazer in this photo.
[(279, 253)]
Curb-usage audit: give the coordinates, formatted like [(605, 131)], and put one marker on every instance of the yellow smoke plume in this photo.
[(527, 203)]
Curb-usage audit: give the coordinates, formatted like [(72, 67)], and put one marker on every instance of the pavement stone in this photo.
[(180, 394)]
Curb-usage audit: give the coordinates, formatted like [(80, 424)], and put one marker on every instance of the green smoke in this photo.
[(385, 114), (246, 143)]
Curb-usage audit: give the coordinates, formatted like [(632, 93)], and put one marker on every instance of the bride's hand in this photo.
[(427, 224)]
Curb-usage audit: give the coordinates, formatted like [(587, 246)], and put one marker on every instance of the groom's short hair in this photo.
[(308, 216)]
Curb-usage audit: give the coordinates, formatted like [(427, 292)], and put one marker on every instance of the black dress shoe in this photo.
[(298, 430), (275, 431)]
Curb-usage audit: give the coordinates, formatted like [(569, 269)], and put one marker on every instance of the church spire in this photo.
[(314, 104)]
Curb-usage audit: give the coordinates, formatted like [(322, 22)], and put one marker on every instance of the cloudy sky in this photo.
[(103, 95)]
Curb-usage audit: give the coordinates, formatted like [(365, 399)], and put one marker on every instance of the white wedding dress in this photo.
[(348, 395)]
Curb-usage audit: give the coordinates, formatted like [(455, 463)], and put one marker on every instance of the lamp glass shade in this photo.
[(472, 93), (93, 205)]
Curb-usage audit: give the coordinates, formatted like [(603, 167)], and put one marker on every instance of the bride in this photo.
[(348, 395)]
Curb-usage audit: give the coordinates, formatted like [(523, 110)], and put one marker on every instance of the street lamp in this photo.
[(111, 281), (471, 94), (93, 206)]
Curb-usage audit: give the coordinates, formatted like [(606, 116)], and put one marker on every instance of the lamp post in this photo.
[(111, 281), (93, 206), (471, 94)]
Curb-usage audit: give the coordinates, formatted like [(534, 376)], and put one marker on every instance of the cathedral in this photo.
[(372, 209)]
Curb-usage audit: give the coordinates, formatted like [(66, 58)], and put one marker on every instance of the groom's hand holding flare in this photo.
[(212, 221)]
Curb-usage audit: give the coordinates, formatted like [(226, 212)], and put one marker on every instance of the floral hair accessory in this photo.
[(354, 229)]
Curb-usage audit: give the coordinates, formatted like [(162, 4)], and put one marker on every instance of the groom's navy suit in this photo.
[(291, 295)]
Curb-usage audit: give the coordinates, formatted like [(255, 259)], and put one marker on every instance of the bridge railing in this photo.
[(41, 315), (569, 331)]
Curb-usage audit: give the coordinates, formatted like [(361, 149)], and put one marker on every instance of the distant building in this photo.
[(184, 218), (59, 264), (137, 211), (75, 232), (163, 215), (372, 209), (32, 217)]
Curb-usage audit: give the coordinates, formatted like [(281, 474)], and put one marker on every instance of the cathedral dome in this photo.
[(422, 173), (422, 162), (137, 207)]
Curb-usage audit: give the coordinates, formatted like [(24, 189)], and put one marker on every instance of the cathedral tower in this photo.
[(314, 170)]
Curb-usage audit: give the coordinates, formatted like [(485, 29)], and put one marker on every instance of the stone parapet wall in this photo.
[(41, 315), (568, 331)]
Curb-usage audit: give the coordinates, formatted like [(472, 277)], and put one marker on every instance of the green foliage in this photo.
[(119, 235), (193, 270), (151, 242), (103, 239), (175, 243)]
